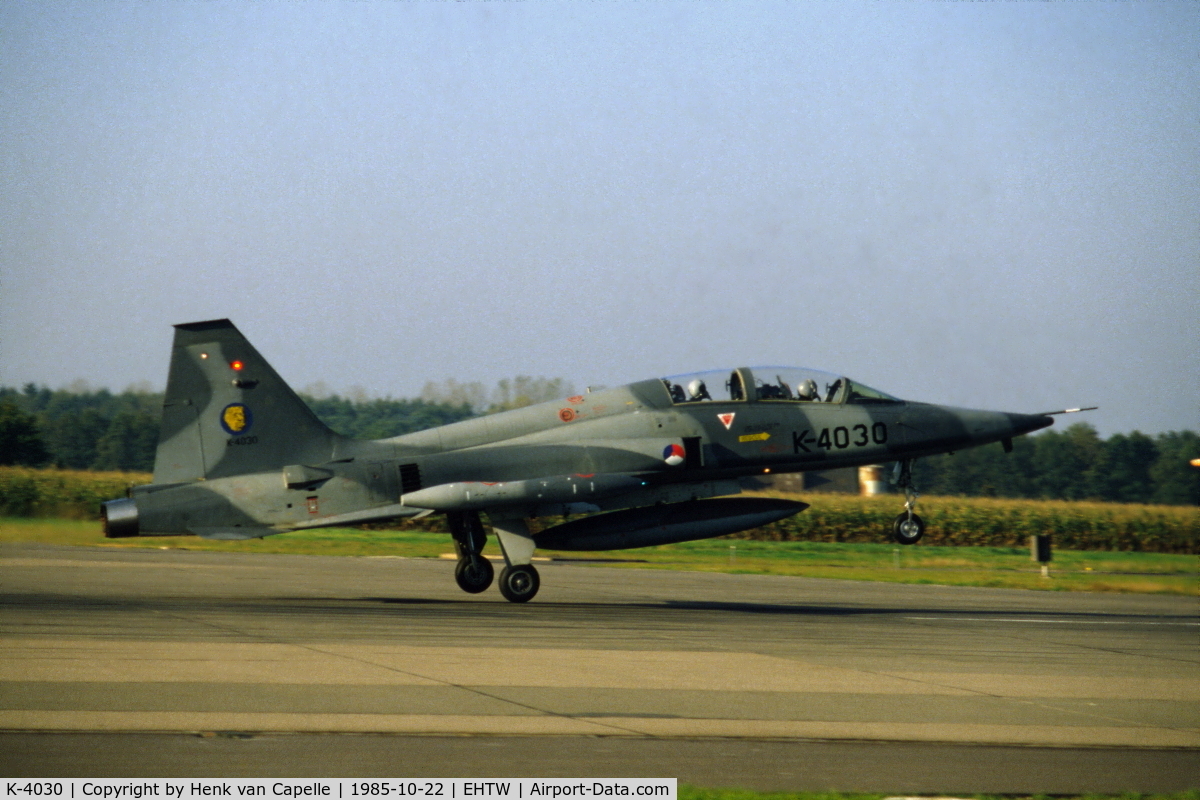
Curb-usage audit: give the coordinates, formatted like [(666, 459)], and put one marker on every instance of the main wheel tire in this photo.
[(474, 574), (908, 530), (519, 583)]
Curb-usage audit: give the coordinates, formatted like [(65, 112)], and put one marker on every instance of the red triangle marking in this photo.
[(726, 419)]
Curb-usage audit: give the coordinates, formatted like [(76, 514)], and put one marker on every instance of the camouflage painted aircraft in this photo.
[(241, 456)]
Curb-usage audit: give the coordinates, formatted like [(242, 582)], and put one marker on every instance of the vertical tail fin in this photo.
[(227, 412)]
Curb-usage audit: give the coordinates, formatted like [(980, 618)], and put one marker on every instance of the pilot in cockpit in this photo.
[(807, 390), (698, 391)]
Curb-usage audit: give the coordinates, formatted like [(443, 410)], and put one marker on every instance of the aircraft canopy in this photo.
[(771, 384)]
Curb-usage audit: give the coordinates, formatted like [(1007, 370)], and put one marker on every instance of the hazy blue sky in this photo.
[(993, 205)]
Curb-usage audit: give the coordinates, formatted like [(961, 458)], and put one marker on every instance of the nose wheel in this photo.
[(908, 527)]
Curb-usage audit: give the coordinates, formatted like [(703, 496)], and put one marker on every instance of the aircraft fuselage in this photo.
[(240, 456)]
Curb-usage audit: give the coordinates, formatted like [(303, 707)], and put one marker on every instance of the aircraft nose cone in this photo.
[(1024, 423)]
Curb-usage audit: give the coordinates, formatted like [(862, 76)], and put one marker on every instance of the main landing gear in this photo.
[(908, 527), (519, 581), (474, 573)]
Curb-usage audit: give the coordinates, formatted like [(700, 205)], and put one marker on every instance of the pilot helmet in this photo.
[(696, 388), (807, 389)]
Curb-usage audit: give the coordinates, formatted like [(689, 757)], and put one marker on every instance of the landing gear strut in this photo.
[(519, 581), (474, 573), (908, 527)]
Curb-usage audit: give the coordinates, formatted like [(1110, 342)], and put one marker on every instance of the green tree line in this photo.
[(100, 430), (1072, 464)]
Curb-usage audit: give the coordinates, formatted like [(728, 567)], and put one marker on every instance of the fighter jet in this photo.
[(653, 462)]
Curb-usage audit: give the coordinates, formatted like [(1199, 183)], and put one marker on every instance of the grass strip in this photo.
[(999, 567)]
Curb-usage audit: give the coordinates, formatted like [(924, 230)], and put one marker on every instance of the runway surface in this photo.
[(167, 662)]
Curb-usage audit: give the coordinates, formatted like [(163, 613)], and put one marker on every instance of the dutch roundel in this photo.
[(673, 455)]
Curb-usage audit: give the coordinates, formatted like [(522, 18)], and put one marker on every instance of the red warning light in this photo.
[(236, 366)]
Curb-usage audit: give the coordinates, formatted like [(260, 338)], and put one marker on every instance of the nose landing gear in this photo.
[(908, 528)]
